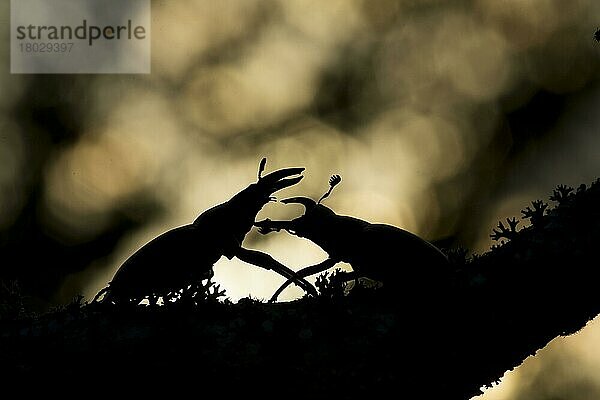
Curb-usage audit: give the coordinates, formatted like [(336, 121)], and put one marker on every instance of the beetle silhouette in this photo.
[(390, 255), (184, 255)]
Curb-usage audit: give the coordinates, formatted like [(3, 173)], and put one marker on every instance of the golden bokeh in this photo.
[(403, 99)]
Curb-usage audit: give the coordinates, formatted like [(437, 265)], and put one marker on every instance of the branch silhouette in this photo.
[(501, 307)]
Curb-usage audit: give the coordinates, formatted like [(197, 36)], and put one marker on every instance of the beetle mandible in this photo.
[(184, 255), (390, 255)]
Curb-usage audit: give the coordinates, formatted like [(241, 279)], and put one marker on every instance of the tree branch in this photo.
[(404, 337)]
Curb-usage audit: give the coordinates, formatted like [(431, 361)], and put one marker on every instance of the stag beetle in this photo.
[(377, 251), (184, 255)]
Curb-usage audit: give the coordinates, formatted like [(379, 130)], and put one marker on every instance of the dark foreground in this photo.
[(499, 308)]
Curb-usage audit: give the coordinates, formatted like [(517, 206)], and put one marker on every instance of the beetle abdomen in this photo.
[(166, 263), (390, 254)]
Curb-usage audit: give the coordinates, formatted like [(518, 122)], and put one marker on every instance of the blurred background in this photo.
[(441, 116)]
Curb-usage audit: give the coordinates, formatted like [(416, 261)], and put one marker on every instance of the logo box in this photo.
[(80, 36)]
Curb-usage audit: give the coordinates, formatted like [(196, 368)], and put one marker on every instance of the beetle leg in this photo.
[(265, 261), (304, 272)]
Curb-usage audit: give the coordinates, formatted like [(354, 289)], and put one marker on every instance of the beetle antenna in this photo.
[(261, 167), (333, 181)]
